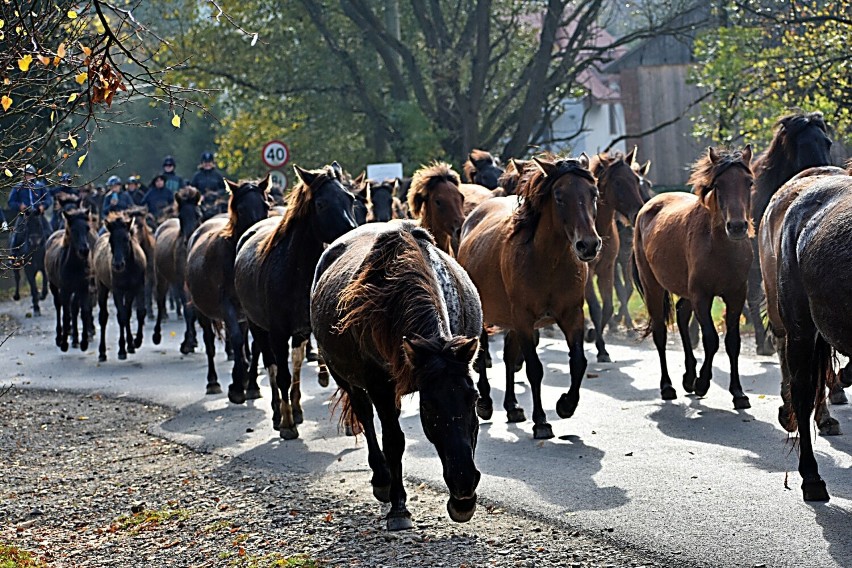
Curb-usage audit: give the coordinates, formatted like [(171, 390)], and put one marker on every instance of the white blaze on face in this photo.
[(451, 308)]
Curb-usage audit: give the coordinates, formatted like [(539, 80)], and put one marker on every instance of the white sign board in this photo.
[(275, 154), (381, 172), (278, 178)]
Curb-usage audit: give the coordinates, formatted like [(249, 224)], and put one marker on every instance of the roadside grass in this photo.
[(639, 314), (240, 559), (13, 557), (147, 519)]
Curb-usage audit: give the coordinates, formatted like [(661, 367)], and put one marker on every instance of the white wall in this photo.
[(604, 122)]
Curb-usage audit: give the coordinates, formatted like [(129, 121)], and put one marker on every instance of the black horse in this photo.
[(483, 169), (68, 269), (272, 278), (29, 255), (800, 142), (393, 315)]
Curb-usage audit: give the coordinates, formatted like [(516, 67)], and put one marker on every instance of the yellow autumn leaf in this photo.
[(81, 78), (81, 159), (7, 172), (176, 121), (72, 97), (72, 14), (24, 62), (72, 140), (2, 23), (60, 51), (5, 102), (86, 50), (45, 60)]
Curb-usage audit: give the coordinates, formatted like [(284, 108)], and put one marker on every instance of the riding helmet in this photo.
[(207, 157), (113, 180), (168, 161)]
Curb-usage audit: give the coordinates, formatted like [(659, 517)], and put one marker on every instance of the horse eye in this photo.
[(437, 202)]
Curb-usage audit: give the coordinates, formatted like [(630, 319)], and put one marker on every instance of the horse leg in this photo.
[(786, 416), (393, 443), (511, 351), (484, 405), (657, 302), (162, 289), (17, 273), (567, 403), (75, 312), (252, 388), (535, 374), (261, 338), (141, 311), (322, 369), (103, 319), (30, 273), (236, 390), (57, 305), (596, 314), (684, 313), (123, 321), (733, 310), (755, 299), (298, 355), (87, 324), (43, 283), (278, 343), (209, 337), (710, 341), (190, 340), (149, 294), (606, 277), (310, 354)]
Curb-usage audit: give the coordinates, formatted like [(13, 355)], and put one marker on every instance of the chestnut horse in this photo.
[(273, 270), (67, 263), (119, 267), (170, 251), (620, 191), (393, 315), (529, 263), (800, 142), (481, 168), (210, 281), (804, 253), (509, 180), (435, 200), (697, 246)]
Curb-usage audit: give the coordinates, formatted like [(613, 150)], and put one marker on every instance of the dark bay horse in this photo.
[(394, 314), (29, 256), (508, 181), (619, 191), (697, 247), (530, 263), (119, 267), (145, 238), (801, 141), (435, 200), (272, 277), (210, 281), (806, 256), (67, 263), (481, 168), (378, 200), (170, 252)]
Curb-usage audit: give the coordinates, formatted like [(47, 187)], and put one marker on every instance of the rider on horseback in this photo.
[(30, 197)]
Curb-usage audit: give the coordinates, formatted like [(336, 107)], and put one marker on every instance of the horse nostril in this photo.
[(581, 246), (736, 227)]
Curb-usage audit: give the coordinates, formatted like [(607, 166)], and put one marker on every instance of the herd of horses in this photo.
[(399, 284)]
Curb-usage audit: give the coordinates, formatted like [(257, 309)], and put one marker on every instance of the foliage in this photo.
[(772, 56), (147, 519), (13, 557)]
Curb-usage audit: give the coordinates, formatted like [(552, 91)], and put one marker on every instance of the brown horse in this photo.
[(801, 141), (170, 251), (529, 263), (146, 240), (210, 280), (435, 200), (119, 267), (620, 192), (481, 168), (509, 180), (804, 254), (696, 246), (395, 315), (273, 271)]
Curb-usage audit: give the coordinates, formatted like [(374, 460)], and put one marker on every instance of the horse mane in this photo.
[(469, 169), (772, 168), (188, 194), (705, 171), (69, 214), (534, 187), (424, 180), (392, 294), (114, 216), (246, 186)]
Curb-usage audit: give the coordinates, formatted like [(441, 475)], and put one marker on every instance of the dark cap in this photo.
[(168, 161), (207, 157)]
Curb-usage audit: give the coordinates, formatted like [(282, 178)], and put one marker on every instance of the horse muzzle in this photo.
[(119, 266), (736, 230), (587, 248)]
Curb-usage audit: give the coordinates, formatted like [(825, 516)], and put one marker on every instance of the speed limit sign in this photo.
[(275, 154)]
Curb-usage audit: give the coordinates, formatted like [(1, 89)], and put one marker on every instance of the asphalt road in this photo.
[(692, 481)]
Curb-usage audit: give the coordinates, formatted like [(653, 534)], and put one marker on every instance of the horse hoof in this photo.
[(400, 521), (515, 415), (668, 393), (138, 343), (16, 296), (741, 403), (829, 427), (542, 431), (814, 490), (122, 356), (157, 338), (701, 387), (845, 377), (604, 358), (298, 417), (488, 362), (213, 388), (36, 312), (288, 433), (311, 357), (253, 394), (101, 358), (784, 419), (590, 335), (382, 493), (84, 345), (322, 378), (461, 510), (838, 397), (566, 405), (185, 349), (766, 349), (64, 347), (484, 409), (688, 383), (237, 396)]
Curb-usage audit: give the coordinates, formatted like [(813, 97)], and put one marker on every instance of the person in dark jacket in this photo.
[(30, 197), (158, 197), (208, 179), (115, 198), (64, 196), (136, 190), (173, 181)]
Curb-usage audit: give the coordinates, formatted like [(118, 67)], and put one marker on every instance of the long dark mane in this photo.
[(534, 191), (469, 169), (393, 294), (424, 180)]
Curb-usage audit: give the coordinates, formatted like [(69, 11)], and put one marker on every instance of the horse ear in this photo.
[(547, 168), (304, 175), (645, 168), (338, 171), (362, 177), (265, 184), (395, 186), (631, 157), (467, 351), (412, 351), (231, 186), (712, 154), (584, 160), (519, 165), (747, 155)]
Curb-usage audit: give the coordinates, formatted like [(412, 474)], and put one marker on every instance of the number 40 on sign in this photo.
[(275, 154)]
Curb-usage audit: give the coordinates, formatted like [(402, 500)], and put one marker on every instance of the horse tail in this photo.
[(348, 420), (824, 359), (668, 308)]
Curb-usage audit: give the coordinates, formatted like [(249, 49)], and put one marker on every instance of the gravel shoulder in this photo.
[(85, 483)]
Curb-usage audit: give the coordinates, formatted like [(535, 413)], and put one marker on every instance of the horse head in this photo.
[(618, 183), (435, 199), (248, 205), (646, 186), (441, 369), (380, 200), (323, 197), (804, 137), (723, 181), (77, 231), (483, 169), (120, 227), (188, 202)]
